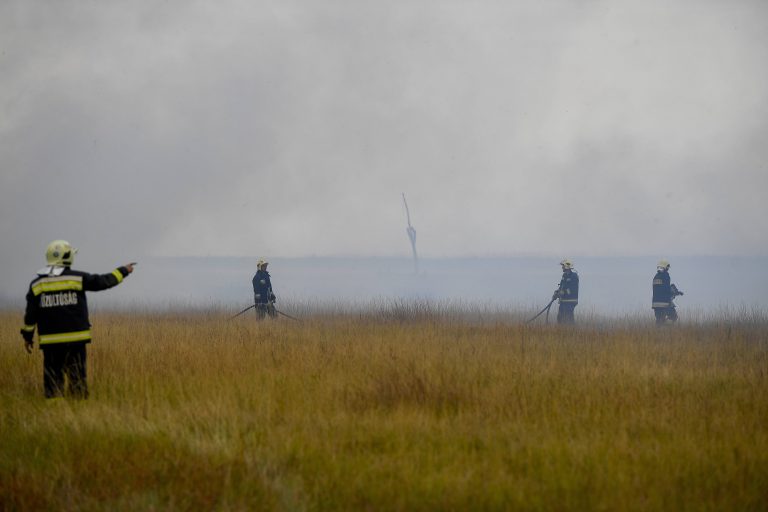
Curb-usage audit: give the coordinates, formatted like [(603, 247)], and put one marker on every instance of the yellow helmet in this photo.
[(662, 265), (261, 263), (60, 252), (566, 264)]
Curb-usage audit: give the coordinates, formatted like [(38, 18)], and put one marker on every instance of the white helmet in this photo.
[(566, 264), (60, 252), (261, 263), (662, 265)]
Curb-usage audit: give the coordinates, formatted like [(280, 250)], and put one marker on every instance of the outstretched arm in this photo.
[(97, 282)]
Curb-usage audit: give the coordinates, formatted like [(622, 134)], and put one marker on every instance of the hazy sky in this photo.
[(291, 127)]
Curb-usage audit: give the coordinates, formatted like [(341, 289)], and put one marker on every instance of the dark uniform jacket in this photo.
[(662, 290), (568, 291), (262, 288), (57, 305)]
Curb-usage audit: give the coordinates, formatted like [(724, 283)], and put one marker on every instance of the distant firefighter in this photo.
[(263, 296), (56, 305), (664, 293), (567, 293)]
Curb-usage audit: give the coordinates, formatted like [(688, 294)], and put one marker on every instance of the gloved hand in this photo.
[(28, 340), (272, 297), (556, 294)]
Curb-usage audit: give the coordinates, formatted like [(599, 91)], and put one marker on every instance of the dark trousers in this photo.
[(664, 314), (565, 313), (65, 360), (262, 310)]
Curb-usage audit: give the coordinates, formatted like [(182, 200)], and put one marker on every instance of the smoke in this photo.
[(291, 128)]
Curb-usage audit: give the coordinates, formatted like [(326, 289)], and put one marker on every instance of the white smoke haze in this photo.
[(138, 130)]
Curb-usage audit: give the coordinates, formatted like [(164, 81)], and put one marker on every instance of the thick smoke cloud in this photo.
[(290, 128)]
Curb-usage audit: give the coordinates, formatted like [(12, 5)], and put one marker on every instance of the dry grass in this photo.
[(406, 408)]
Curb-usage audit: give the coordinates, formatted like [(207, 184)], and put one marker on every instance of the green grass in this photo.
[(390, 412)]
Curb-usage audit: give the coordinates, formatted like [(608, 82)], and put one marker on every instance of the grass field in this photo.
[(403, 409)]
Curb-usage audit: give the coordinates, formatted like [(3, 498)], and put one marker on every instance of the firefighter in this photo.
[(263, 297), (664, 293), (56, 304), (567, 293)]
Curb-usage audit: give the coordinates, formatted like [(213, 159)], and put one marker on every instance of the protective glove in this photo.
[(556, 294), (272, 297), (28, 340)]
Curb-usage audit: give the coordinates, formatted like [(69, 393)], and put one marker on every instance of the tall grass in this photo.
[(401, 406)]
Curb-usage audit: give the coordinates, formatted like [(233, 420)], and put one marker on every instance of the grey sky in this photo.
[(290, 128)]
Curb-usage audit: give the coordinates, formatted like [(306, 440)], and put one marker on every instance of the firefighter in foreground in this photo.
[(263, 297), (664, 293), (567, 293), (56, 304)]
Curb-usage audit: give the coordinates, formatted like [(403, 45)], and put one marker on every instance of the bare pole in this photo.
[(411, 236)]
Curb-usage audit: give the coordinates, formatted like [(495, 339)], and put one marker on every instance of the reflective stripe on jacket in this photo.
[(262, 287), (56, 304), (662, 290), (569, 288)]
